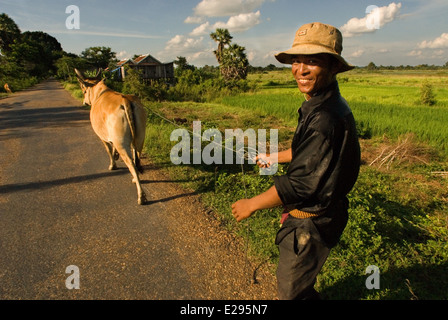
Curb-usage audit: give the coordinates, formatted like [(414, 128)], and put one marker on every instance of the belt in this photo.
[(303, 215)]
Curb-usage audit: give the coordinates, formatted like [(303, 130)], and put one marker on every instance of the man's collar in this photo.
[(320, 97)]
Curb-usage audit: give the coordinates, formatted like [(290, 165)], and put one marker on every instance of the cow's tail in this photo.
[(128, 108)]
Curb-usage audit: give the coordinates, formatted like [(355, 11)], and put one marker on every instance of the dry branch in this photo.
[(406, 149)]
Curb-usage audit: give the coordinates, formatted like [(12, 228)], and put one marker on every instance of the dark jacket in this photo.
[(325, 160)]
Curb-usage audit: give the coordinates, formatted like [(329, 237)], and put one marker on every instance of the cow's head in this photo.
[(87, 85)]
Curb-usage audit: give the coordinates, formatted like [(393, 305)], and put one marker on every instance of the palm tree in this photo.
[(223, 37), (232, 59)]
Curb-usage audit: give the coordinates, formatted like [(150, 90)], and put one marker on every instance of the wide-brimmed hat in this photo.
[(315, 38)]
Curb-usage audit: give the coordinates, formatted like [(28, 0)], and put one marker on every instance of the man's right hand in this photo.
[(263, 160)]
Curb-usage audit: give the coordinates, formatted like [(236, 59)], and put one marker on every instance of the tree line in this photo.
[(27, 57), (373, 67)]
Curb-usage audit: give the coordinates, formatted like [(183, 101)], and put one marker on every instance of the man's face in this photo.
[(313, 72)]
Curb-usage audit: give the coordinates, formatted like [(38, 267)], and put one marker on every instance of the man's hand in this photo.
[(242, 209), (263, 160), (266, 160)]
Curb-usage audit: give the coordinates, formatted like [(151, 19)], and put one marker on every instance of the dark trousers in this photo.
[(302, 255)]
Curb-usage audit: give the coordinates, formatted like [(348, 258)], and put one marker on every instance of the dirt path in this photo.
[(60, 206)]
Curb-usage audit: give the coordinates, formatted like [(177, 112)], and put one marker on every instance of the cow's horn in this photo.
[(79, 74), (98, 75)]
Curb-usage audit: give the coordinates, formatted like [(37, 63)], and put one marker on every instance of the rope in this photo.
[(246, 153), (246, 157)]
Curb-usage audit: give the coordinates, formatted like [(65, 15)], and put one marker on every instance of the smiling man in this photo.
[(324, 164)]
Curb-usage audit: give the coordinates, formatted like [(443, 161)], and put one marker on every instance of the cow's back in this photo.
[(108, 117)]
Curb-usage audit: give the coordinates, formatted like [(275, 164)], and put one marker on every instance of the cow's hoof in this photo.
[(142, 200), (113, 167)]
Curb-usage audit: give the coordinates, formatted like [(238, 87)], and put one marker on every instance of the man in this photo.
[(324, 164)]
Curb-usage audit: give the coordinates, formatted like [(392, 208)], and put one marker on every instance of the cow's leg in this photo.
[(137, 162), (116, 154), (126, 156), (111, 152)]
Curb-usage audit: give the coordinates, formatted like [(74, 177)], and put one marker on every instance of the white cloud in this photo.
[(251, 55), (375, 19), (239, 23), (357, 53), (203, 57), (415, 53), (438, 43), (201, 30), (220, 8), (241, 17), (122, 55), (194, 50), (182, 45), (194, 20)]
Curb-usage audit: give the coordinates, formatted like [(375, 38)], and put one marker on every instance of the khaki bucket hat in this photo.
[(315, 38)]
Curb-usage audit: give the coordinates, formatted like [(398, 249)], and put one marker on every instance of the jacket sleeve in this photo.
[(308, 167)]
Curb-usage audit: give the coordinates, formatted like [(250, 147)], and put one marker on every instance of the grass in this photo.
[(17, 84), (398, 212), (74, 89)]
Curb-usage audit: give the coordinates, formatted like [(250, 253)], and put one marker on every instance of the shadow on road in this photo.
[(11, 188), (12, 117), (149, 202)]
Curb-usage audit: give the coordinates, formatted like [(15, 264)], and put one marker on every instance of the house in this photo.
[(150, 68)]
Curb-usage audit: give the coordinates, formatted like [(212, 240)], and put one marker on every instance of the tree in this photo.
[(65, 66), (232, 59), (50, 42), (371, 66), (133, 83), (99, 57), (234, 63), (223, 37), (49, 50), (182, 65), (9, 31), (37, 52)]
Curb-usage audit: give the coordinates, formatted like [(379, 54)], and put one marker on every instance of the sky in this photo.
[(407, 32)]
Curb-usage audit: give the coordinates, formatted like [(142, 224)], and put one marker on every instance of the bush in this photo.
[(363, 130), (199, 86), (426, 94), (132, 84)]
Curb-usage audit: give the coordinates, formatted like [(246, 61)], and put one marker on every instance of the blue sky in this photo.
[(405, 32)]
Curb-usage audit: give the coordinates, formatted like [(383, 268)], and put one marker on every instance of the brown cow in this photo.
[(119, 121)]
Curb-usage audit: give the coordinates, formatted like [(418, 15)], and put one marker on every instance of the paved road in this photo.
[(60, 206)]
